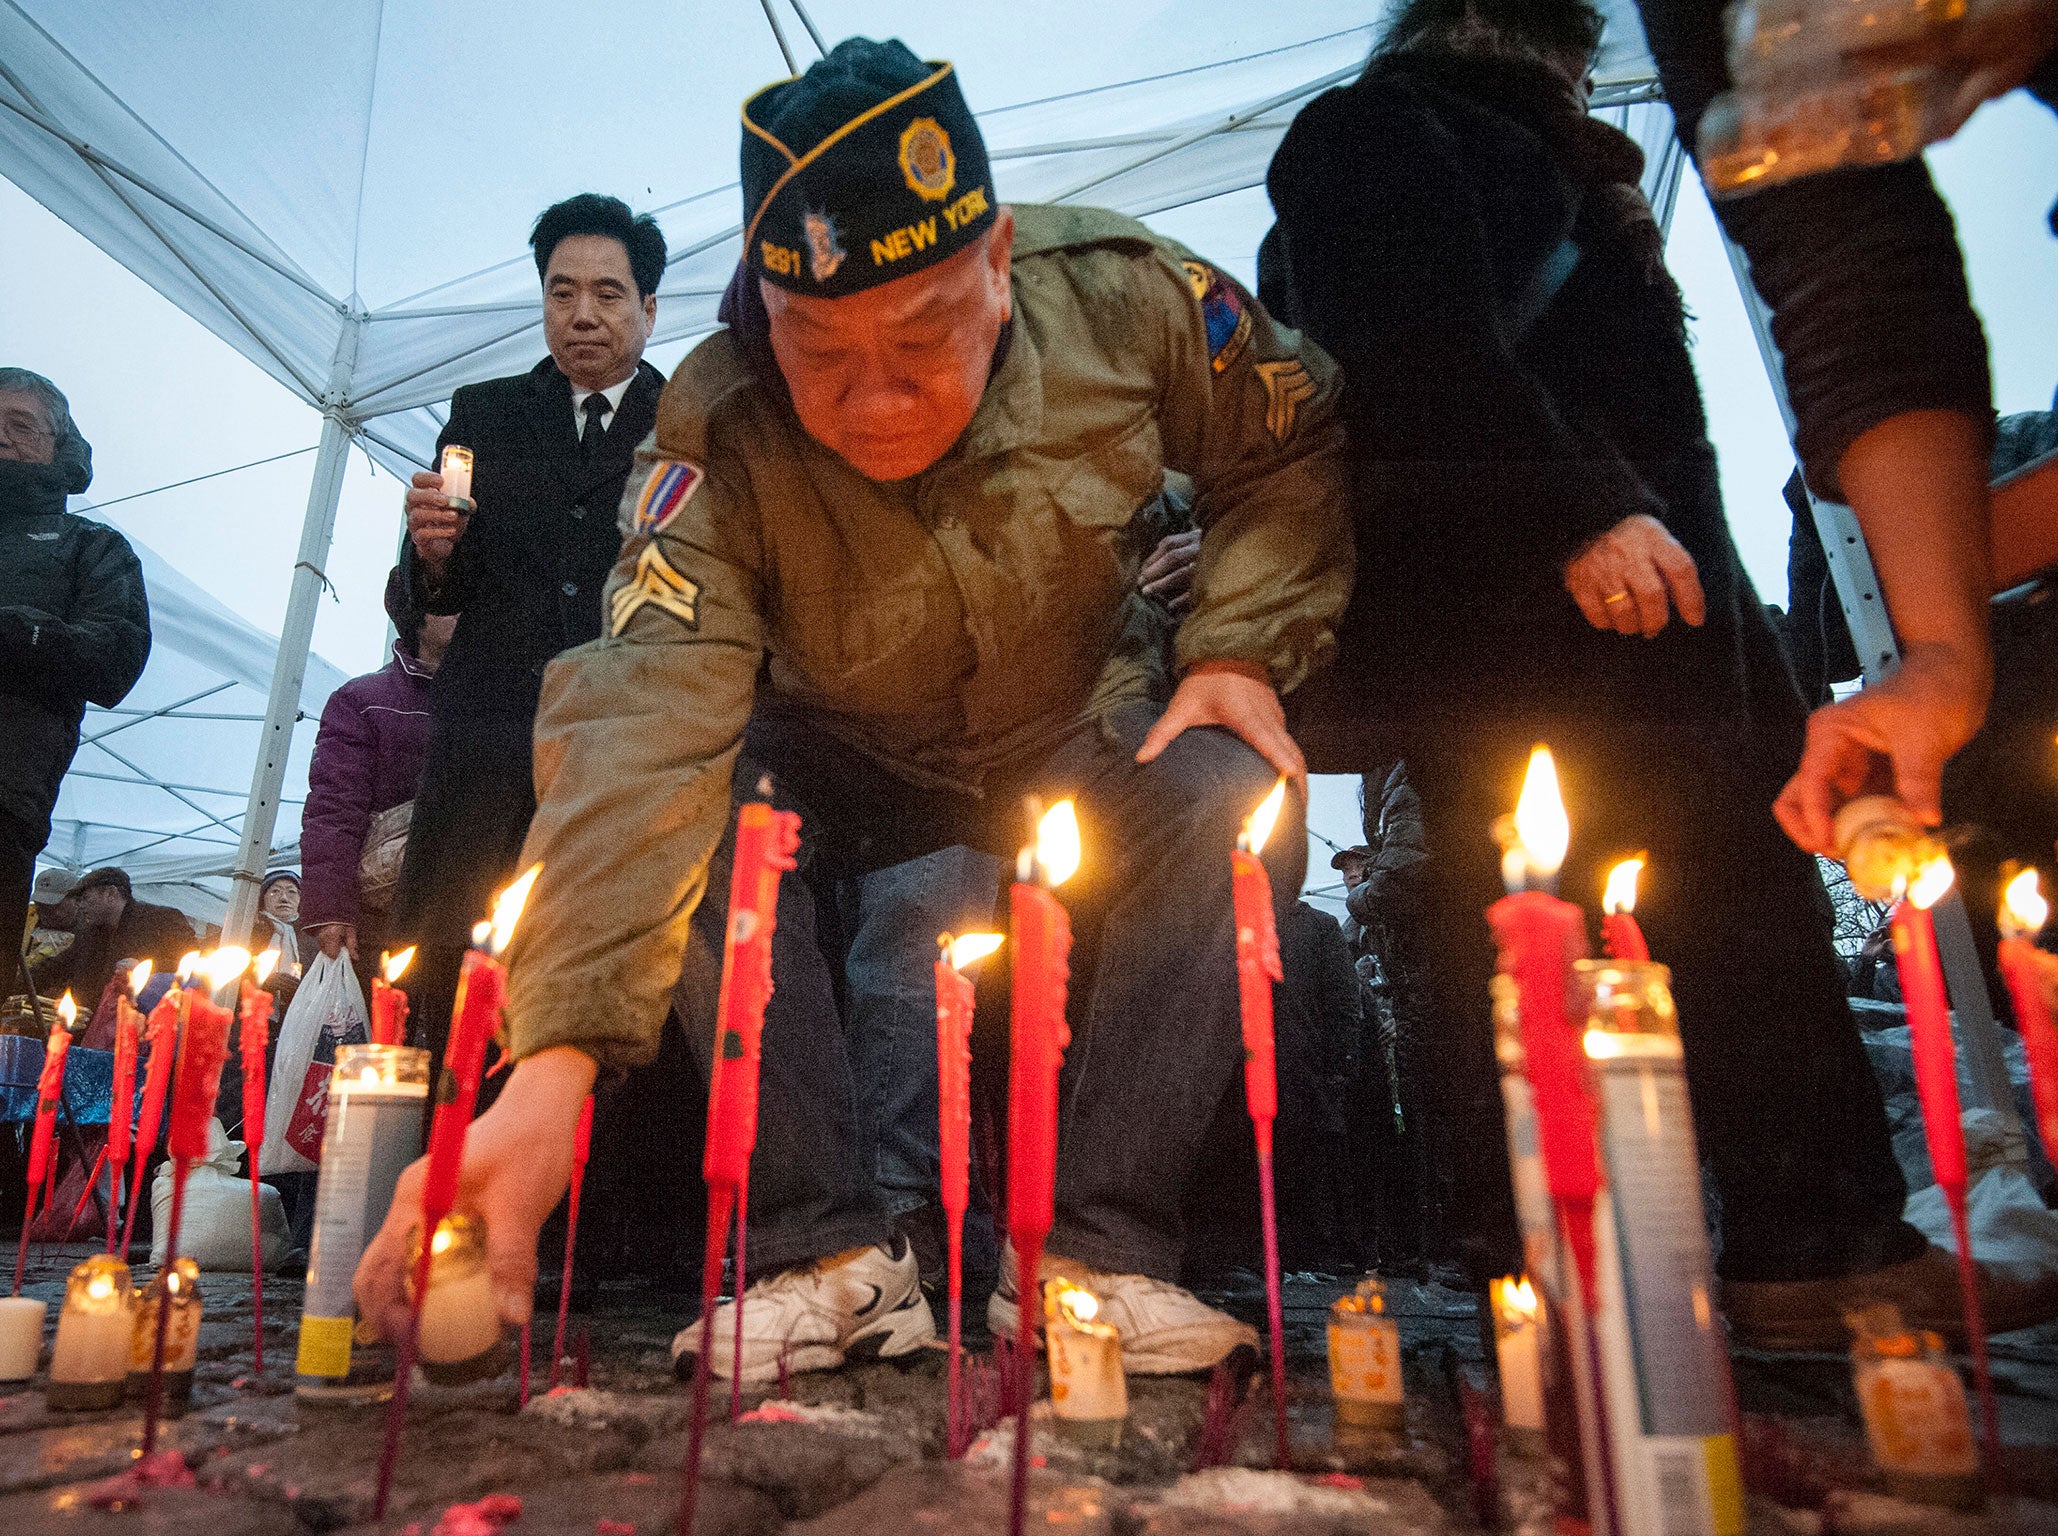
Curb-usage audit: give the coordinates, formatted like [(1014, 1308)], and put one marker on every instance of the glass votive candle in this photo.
[(1089, 1396), (461, 1338), (21, 1338), (177, 1285), (1913, 1403), (1365, 1359), (89, 1365)]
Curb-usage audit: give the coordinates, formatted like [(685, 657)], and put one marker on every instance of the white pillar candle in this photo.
[(461, 1338), (1365, 1360), (21, 1337), (1089, 1395), (456, 470), (89, 1365), (1516, 1337)]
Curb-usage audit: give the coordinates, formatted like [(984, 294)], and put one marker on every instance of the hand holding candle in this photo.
[(456, 470), (2032, 977)]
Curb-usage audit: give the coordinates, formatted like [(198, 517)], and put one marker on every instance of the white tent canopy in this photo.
[(342, 193)]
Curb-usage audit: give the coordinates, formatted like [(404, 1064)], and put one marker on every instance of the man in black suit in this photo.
[(521, 564)]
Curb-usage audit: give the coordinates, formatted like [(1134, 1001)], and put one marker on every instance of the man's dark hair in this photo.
[(595, 213), (1544, 26), (110, 876)]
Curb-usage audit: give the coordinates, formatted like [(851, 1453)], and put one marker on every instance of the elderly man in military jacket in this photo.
[(883, 544)]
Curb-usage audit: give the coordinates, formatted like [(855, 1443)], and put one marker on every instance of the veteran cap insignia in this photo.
[(926, 159), (825, 251)]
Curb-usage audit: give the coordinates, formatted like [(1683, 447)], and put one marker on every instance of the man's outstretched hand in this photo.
[(1894, 736), (1237, 698), (517, 1165)]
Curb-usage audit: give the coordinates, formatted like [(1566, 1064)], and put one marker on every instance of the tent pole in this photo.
[(1984, 1065), (290, 670)]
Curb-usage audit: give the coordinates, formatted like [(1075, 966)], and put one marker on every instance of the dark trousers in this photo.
[(1156, 1038), (1790, 1120), (18, 852)]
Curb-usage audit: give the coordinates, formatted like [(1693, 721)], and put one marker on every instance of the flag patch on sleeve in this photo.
[(1223, 312), (669, 487)]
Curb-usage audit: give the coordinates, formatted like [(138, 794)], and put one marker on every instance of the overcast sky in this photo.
[(162, 400)]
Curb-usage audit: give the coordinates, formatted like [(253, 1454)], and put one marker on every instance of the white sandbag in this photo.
[(214, 1224), (2013, 1232), (327, 1002)]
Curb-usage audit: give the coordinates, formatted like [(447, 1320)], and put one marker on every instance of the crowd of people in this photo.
[(970, 501)]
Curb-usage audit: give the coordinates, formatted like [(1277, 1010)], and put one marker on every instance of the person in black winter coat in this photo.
[(523, 571), (74, 627), (1546, 559)]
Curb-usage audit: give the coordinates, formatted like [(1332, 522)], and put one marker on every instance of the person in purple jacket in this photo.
[(367, 760)]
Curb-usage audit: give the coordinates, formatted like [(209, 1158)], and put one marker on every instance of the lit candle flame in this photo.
[(266, 964), (1518, 1300), (507, 908), (1264, 818), (1078, 1306), (1931, 882), (441, 1242), (369, 1077), (1621, 893), (969, 948), (139, 974), (2023, 908), (100, 1287), (225, 965), (1057, 843), (189, 962), (394, 965), (67, 1010), (1540, 820)]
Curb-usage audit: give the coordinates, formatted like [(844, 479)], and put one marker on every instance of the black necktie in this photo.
[(595, 407)]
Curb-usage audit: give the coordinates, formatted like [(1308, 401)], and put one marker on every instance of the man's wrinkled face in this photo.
[(27, 435), (889, 378), (594, 322)]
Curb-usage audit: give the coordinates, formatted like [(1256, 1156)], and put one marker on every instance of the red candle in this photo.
[(128, 1027), (1936, 1084), (1042, 938), (582, 1149), (475, 1016), (389, 1003), (163, 1040), (954, 995), (1620, 935), (1257, 968), (255, 1019), (767, 842), (49, 1091), (2032, 979)]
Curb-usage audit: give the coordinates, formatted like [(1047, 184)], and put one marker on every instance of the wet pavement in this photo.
[(862, 1450)]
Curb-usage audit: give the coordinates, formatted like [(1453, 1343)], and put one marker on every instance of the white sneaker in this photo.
[(864, 1303), (1166, 1331)]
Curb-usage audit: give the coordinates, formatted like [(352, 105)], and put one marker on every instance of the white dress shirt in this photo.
[(612, 394)]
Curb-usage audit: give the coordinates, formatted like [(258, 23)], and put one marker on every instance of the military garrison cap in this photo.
[(866, 168)]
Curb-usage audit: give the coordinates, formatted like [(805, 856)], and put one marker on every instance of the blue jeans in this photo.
[(1157, 1042), (893, 917)]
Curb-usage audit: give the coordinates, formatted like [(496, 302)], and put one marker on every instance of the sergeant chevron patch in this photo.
[(1287, 384), (670, 486), (657, 584)]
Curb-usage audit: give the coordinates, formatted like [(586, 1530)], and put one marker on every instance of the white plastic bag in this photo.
[(214, 1223), (327, 1003)]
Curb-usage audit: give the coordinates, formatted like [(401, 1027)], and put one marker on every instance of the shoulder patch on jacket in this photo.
[(658, 584), (1287, 383), (669, 486), (1223, 312)]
